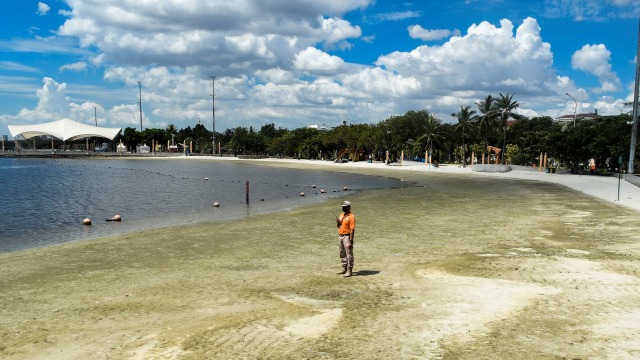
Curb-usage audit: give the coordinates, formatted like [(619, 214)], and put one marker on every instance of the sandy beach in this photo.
[(455, 265)]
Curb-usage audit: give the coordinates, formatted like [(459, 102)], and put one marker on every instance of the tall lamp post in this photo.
[(634, 127), (140, 102), (213, 111), (575, 108)]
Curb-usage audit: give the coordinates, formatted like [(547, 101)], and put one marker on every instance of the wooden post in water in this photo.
[(246, 183)]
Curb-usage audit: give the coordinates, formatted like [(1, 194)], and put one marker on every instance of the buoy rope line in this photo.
[(153, 172)]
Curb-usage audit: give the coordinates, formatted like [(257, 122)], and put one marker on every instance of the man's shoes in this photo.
[(348, 273), (343, 271)]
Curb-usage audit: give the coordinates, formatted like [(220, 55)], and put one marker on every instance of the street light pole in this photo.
[(575, 108), (634, 127), (213, 111), (140, 102)]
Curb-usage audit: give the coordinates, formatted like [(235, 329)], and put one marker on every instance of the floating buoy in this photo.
[(115, 218), (86, 221), (206, 178), (313, 186), (301, 194), (345, 188), (322, 191), (216, 204)]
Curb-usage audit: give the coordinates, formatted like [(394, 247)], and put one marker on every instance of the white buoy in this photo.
[(216, 204), (313, 186), (117, 217), (86, 221), (322, 191), (206, 178), (301, 194), (345, 188)]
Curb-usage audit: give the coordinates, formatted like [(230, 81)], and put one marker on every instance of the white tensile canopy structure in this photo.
[(64, 130)]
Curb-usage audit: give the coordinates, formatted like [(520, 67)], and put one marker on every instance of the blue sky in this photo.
[(296, 63)]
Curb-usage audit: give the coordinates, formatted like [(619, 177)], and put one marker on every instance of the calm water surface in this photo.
[(44, 201)]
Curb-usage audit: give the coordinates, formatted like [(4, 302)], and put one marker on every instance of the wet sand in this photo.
[(454, 265)]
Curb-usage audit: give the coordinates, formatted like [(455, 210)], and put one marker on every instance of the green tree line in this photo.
[(490, 122)]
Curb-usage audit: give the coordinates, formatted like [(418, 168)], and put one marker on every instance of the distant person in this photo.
[(346, 224)]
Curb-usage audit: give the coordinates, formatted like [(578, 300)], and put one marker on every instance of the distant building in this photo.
[(322, 127), (568, 119)]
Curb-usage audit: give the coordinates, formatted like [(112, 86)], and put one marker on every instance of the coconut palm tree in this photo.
[(487, 120), (170, 132), (431, 132), (465, 117), (506, 105)]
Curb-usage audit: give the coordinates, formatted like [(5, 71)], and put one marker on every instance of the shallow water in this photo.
[(43, 202)]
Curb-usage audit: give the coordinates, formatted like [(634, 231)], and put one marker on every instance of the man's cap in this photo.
[(346, 203)]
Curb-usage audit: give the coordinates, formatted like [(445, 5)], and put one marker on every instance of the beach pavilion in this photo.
[(64, 129)]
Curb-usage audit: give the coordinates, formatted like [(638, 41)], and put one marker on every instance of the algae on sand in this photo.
[(265, 286)]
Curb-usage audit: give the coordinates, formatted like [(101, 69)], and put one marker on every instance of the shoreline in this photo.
[(454, 265), (596, 187), (599, 187)]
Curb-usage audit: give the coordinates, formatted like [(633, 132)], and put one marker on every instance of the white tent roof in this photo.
[(64, 129)]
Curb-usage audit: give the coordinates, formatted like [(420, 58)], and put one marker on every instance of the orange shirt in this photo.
[(348, 223)]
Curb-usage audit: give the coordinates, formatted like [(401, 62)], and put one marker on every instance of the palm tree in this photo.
[(431, 132), (487, 120), (465, 117), (170, 131), (506, 105)]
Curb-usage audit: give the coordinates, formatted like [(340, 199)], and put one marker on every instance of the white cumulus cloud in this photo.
[(314, 60), (595, 60), (75, 67), (289, 62), (418, 32), (488, 59), (233, 37), (43, 9)]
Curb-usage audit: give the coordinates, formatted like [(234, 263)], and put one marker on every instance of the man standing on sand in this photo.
[(346, 223)]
